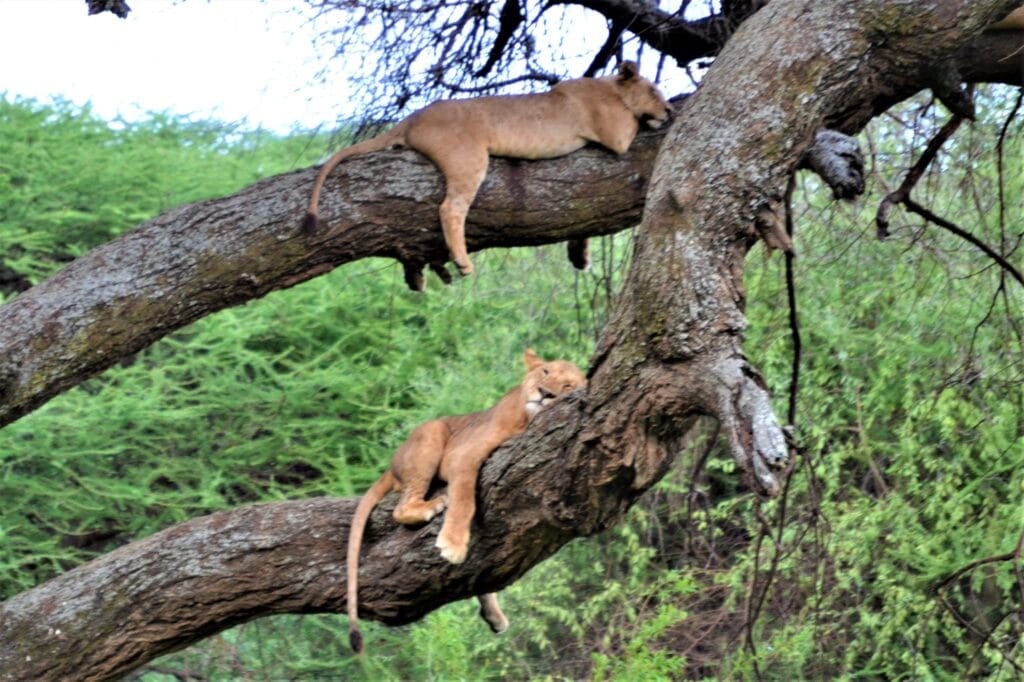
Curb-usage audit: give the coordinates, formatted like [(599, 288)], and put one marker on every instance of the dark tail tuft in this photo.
[(311, 224), (579, 253), (355, 639)]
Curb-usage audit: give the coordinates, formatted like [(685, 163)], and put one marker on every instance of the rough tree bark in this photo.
[(671, 352)]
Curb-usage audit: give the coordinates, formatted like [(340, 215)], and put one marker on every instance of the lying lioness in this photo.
[(453, 450), (460, 136)]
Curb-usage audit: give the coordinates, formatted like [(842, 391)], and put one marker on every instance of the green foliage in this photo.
[(70, 181), (910, 413)]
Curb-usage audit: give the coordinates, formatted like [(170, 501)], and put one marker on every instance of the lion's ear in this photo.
[(532, 360), (628, 70)]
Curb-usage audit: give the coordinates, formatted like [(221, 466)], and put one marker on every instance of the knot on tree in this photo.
[(837, 159)]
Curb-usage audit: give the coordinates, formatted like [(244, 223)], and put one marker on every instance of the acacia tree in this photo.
[(670, 353)]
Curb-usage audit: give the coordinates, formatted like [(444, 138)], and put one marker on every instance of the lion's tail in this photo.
[(311, 224), (375, 494)]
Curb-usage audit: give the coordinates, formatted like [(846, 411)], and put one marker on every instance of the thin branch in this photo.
[(902, 193), (902, 196), (1001, 186), (548, 78), (794, 321), (920, 210), (955, 575), (510, 19), (615, 30), (750, 618)]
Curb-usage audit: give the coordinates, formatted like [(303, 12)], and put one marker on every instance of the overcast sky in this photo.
[(232, 60), (228, 59)]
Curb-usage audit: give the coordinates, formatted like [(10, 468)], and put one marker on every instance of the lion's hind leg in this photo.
[(415, 464), (414, 511)]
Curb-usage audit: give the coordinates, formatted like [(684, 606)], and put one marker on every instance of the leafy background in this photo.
[(910, 418)]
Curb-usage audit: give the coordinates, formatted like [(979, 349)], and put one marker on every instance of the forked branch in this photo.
[(901, 196)]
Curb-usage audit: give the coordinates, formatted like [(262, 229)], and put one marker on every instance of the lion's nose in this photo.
[(545, 394)]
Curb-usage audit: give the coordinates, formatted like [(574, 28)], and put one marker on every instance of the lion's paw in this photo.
[(454, 552), (440, 502), (498, 622)]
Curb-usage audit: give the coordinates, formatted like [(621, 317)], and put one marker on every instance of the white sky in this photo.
[(232, 60), (228, 59)]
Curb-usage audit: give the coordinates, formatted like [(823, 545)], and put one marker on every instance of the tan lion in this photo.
[(453, 449), (460, 136), (1013, 20)]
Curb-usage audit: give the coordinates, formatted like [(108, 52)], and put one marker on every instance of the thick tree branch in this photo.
[(200, 258), (667, 32), (109, 616), (203, 257)]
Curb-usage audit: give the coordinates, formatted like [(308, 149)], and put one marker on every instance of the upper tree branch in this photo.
[(667, 32), (203, 257)]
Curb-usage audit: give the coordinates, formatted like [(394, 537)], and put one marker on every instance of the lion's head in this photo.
[(545, 382), (641, 96)]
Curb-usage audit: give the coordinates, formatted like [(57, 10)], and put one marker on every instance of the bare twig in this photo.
[(616, 27), (548, 78), (1000, 142), (902, 196), (902, 193), (748, 626), (920, 210), (955, 575), (794, 321)]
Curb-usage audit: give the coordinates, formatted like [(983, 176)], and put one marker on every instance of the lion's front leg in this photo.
[(464, 166), (491, 611), (453, 540)]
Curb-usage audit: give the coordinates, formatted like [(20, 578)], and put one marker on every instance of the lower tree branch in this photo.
[(157, 595)]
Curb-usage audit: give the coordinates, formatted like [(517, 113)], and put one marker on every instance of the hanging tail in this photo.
[(395, 136), (373, 496)]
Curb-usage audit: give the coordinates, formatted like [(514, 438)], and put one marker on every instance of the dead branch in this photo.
[(920, 210)]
